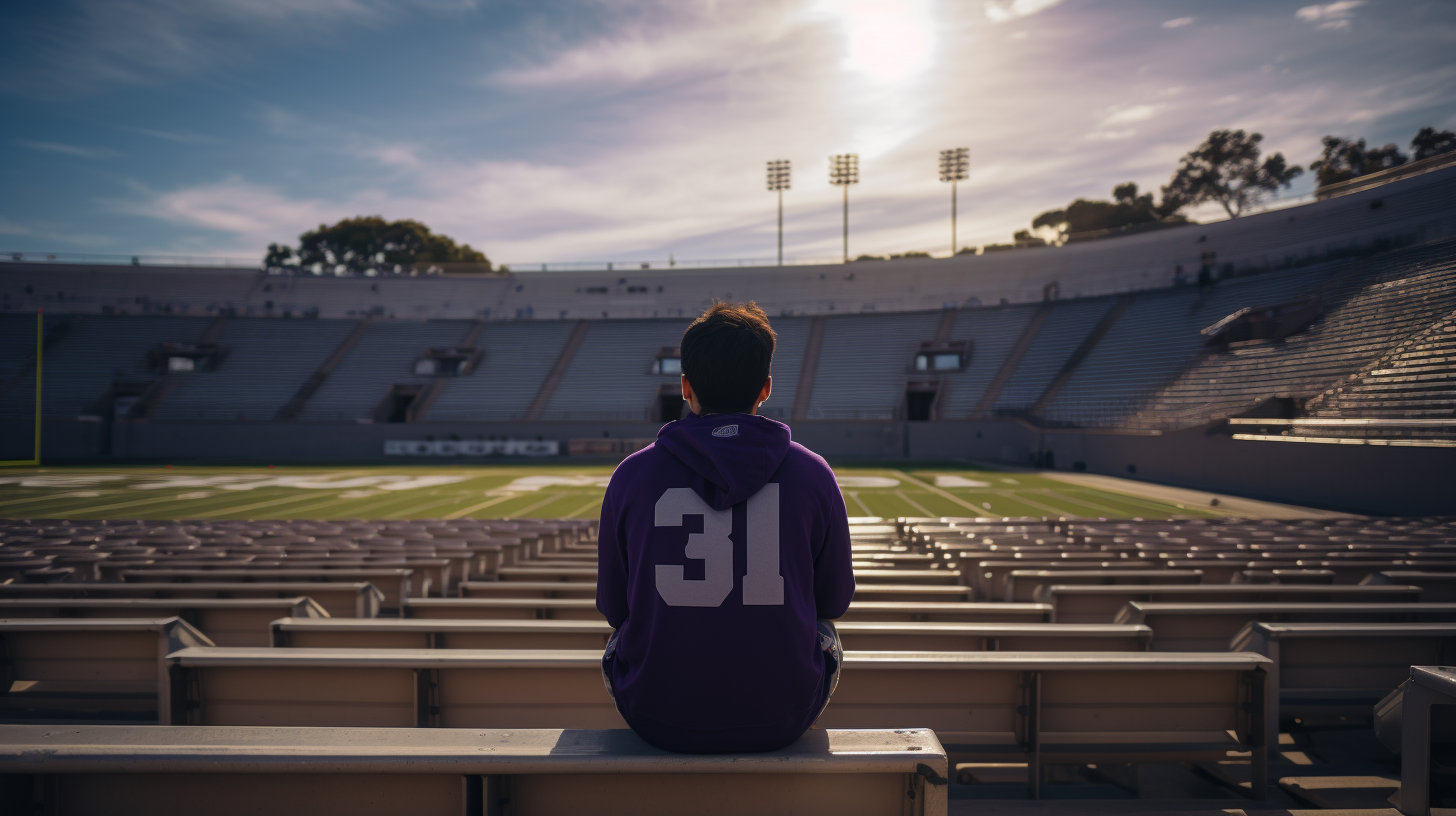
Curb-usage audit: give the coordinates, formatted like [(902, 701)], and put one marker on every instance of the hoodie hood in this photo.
[(735, 453)]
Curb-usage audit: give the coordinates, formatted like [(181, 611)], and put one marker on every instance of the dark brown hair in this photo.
[(727, 354)]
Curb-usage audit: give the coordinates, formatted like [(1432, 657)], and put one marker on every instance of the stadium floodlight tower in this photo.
[(955, 165), (844, 171), (778, 182)]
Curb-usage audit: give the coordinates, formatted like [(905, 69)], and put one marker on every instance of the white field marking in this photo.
[(554, 497), (196, 494), (917, 505), (358, 494), (1154, 504), (105, 506), (58, 480), (474, 507), (526, 484), (317, 481), (1074, 500), (941, 493), (222, 511), (948, 480), (585, 507), (866, 481), (415, 510), (1010, 481), (855, 498), (1021, 497)]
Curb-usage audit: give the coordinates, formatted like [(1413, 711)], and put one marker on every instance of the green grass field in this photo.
[(509, 491)]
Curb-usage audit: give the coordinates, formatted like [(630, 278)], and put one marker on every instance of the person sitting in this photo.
[(723, 557)]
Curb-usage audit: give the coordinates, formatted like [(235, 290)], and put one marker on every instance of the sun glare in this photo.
[(887, 40)]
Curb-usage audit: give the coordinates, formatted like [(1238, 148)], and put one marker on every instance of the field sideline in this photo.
[(511, 491)]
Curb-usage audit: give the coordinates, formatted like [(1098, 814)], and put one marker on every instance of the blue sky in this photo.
[(556, 130)]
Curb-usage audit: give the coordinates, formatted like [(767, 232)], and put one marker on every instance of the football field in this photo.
[(512, 491)]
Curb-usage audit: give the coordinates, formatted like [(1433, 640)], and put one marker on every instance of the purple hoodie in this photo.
[(721, 547)]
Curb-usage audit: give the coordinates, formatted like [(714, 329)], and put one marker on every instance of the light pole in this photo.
[(778, 182), (955, 165), (844, 171)]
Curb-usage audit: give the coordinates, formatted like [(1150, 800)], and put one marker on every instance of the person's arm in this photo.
[(611, 563), (833, 566)]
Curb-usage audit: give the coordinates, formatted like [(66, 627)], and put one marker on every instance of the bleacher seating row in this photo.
[(1198, 642), (1381, 353)]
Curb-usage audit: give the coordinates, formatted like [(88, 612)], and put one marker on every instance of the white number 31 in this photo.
[(762, 584)]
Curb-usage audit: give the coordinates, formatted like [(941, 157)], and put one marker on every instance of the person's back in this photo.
[(722, 546)]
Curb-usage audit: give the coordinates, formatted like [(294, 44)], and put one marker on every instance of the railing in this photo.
[(203, 261)]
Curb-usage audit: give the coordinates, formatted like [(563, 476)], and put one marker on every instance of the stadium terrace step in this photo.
[(104, 670), (393, 583), (1333, 674), (196, 771), (228, 622), (1198, 627), (926, 576), (1101, 604), (534, 573), (340, 600)]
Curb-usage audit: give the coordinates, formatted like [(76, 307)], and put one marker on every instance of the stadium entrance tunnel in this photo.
[(670, 404), (396, 405), (922, 400)]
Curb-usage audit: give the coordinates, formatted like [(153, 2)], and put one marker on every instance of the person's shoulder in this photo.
[(807, 462), (636, 462)]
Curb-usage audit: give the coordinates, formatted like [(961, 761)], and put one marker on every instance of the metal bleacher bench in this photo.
[(1035, 707), (393, 582), (217, 771), (1024, 585), (74, 670), (1333, 674), (1435, 586), (1208, 627), (1425, 714), (225, 621), (1101, 604), (341, 600), (564, 634), (586, 609)]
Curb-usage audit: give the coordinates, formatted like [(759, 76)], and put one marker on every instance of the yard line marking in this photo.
[(414, 510), (1149, 503), (255, 506), (589, 505), (471, 509), (1021, 497), (862, 505), (916, 505), (943, 494), (554, 497), (1074, 500)]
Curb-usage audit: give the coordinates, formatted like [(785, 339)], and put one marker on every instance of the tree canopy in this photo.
[(1430, 142), (1127, 208), (369, 242), (1227, 169), (1345, 159)]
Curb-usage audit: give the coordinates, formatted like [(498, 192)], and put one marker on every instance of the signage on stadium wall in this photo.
[(473, 447)]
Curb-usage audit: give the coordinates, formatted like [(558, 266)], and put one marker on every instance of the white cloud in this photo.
[(1330, 16), (1178, 22), (66, 149), (1006, 11), (1128, 115)]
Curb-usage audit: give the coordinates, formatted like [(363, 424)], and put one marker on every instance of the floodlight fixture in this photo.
[(844, 171), (778, 182), (955, 165)]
